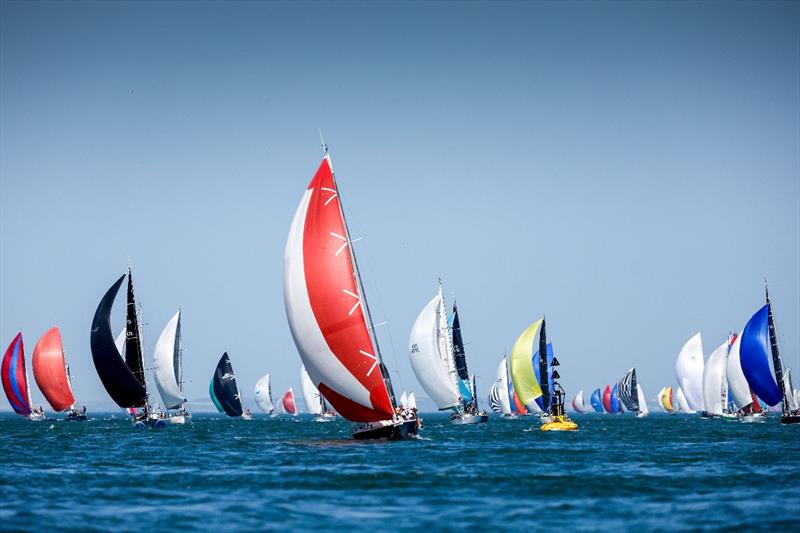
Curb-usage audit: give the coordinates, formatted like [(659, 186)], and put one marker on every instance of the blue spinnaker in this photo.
[(464, 390), (597, 400), (615, 403), (754, 354)]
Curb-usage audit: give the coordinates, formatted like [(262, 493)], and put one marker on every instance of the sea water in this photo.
[(617, 472)]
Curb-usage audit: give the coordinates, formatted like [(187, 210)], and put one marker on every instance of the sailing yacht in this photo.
[(329, 316), (16, 385), (578, 404), (631, 395), (315, 402), (689, 371), (168, 371), (436, 350), (223, 389), (263, 395), (51, 372)]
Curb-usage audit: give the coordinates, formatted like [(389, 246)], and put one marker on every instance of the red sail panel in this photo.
[(49, 370), (607, 399), (288, 402), (521, 410), (335, 299), (15, 381)]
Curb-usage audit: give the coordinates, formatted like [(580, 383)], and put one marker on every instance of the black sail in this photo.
[(626, 388), (545, 385), (225, 388), (133, 343), (120, 383), (459, 355)]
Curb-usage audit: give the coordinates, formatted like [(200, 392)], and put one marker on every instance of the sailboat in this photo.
[(616, 405), (15, 380), (577, 403), (504, 392), (287, 404), (689, 371), (629, 389), (715, 382), (440, 368), (123, 379), (263, 395), (527, 386), (168, 370), (759, 345), (51, 372), (224, 391), (315, 402), (329, 316), (643, 410), (665, 400), (607, 400), (681, 404), (597, 401)]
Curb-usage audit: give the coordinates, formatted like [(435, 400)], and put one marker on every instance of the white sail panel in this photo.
[(642, 400), (263, 394), (714, 380), (426, 359), (502, 386), (165, 355), (681, 404), (412, 401), (120, 342), (689, 371), (578, 403), (311, 395), (404, 399), (737, 383)]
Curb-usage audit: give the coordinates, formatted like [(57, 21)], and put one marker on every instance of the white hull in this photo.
[(177, 419), (464, 418), (324, 418), (749, 419), (246, 416), (36, 417)]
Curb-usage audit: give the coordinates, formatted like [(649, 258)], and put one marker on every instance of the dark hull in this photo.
[(790, 419), (394, 431), (72, 417)]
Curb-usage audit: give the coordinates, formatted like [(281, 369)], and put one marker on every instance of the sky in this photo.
[(629, 170)]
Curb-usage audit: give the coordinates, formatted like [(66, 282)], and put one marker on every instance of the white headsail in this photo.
[(263, 394), (643, 410), (689, 371), (715, 384), (167, 364), (680, 402), (502, 386), (431, 354), (311, 395), (120, 342), (412, 401), (737, 383), (404, 399)]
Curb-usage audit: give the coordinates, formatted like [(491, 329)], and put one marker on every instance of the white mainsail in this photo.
[(167, 364), (737, 383), (263, 394), (502, 386), (689, 371), (430, 351), (120, 342), (643, 410), (715, 383), (681, 404), (311, 396), (404, 399), (412, 401)]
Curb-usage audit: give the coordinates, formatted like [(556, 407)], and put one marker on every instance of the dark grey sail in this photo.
[(494, 400), (545, 385), (133, 342), (119, 381), (459, 355), (626, 389), (225, 389)]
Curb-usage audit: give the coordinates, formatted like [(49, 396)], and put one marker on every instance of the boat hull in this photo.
[(177, 419), (790, 419), (76, 417), (36, 417), (386, 429), (324, 418), (150, 423), (464, 419), (559, 424)]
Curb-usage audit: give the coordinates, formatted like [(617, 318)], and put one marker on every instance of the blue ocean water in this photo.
[(669, 473)]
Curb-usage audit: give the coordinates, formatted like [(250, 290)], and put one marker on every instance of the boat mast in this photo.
[(543, 377), (133, 342), (776, 356), (179, 370), (387, 381)]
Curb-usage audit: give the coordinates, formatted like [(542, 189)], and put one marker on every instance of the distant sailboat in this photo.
[(223, 390), (665, 399), (263, 395), (168, 370), (616, 405), (15, 380), (437, 364), (329, 317), (315, 402), (629, 393), (689, 371), (123, 379), (528, 387), (715, 382), (759, 346), (503, 391), (607, 400), (51, 372), (287, 403), (597, 401), (681, 405), (738, 387), (577, 403), (643, 410)]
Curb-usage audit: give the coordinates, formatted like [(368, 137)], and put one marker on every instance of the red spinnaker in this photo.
[(288, 402), (607, 399), (50, 371)]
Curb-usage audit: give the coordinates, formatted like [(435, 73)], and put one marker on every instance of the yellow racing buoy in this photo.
[(559, 423)]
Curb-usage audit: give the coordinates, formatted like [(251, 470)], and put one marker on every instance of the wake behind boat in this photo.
[(329, 316)]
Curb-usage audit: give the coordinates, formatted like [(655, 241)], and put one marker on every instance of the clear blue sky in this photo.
[(629, 169)]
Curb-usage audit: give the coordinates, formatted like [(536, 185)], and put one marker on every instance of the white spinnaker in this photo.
[(714, 379), (261, 392), (412, 401), (404, 399), (642, 400), (578, 402), (427, 361), (165, 356), (120, 342), (320, 362), (787, 386), (737, 383), (502, 386), (311, 395), (681, 403), (689, 371)]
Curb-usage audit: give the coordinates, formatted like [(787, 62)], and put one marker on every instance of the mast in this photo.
[(133, 342), (179, 350), (543, 375), (776, 356), (459, 355), (448, 336), (387, 381)]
